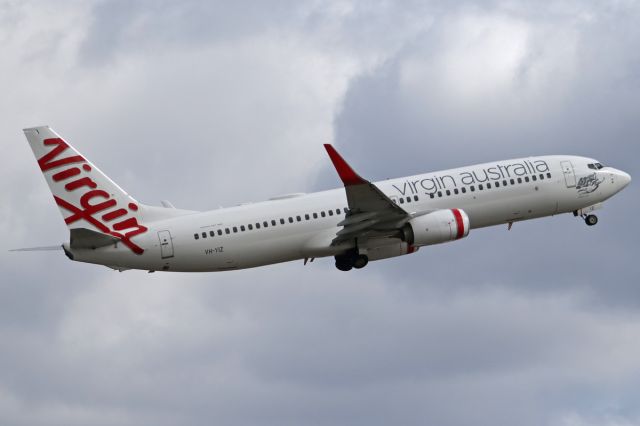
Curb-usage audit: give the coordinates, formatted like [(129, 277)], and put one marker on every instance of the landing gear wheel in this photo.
[(591, 219), (343, 264), (360, 261), (343, 267)]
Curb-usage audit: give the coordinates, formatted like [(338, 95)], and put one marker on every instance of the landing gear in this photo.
[(343, 263), (348, 261), (360, 261), (591, 219)]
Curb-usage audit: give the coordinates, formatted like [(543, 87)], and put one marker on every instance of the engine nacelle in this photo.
[(437, 227), (384, 248)]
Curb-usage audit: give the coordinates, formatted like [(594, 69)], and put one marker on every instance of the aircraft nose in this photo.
[(625, 178), (622, 178)]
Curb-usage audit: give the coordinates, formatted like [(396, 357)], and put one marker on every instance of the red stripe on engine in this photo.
[(459, 222)]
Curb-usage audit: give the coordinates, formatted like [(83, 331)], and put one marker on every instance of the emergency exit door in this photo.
[(166, 245), (569, 175)]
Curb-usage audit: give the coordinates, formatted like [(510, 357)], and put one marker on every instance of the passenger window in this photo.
[(549, 175), (219, 231), (488, 186), (408, 199), (464, 190), (212, 234), (431, 195), (273, 222), (250, 226), (204, 235), (322, 213), (257, 225), (315, 215), (242, 228), (330, 212), (298, 218), (401, 200), (306, 216), (415, 198), (227, 231), (281, 221), (526, 178), (513, 182), (196, 236), (534, 178), (541, 177), (337, 211), (439, 193), (455, 191), (480, 187), (472, 188), (290, 219), (448, 192), (497, 184), (519, 180), (504, 183), (235, 229)]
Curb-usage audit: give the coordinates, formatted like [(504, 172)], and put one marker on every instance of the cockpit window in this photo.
[(595, 166)]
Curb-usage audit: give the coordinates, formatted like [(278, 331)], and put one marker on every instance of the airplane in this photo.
[(361, 222)]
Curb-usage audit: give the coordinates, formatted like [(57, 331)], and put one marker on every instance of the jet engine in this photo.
[(385, 248), (437, 227)]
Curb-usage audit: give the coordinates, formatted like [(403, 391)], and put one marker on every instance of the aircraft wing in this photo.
[(371, 212)]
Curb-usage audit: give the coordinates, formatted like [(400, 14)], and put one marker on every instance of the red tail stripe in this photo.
[(459, 223), (46, 162), (65, 174), (79, 214)]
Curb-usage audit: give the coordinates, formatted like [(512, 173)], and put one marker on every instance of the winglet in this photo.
[(346, 173)]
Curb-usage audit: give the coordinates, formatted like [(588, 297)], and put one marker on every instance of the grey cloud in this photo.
[(402, 133), (207, 103), (123, 26), (335, 350)]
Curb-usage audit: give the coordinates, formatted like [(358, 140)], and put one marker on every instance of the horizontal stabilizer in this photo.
[(45, 248), (82, 238)]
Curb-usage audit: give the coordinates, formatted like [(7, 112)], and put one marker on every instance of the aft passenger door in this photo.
[(569, 175), (166, 245)]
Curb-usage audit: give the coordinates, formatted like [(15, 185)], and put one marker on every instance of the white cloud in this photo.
[(576, 419), (210, 104)]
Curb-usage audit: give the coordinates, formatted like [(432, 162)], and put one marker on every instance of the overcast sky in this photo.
[(211, 104)]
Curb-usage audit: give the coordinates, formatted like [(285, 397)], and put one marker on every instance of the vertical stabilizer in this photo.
[(86, 197)]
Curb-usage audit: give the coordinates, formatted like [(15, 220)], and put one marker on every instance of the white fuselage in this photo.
[(235, 238)]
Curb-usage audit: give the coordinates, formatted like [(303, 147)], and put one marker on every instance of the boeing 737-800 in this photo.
[(356, 224)]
